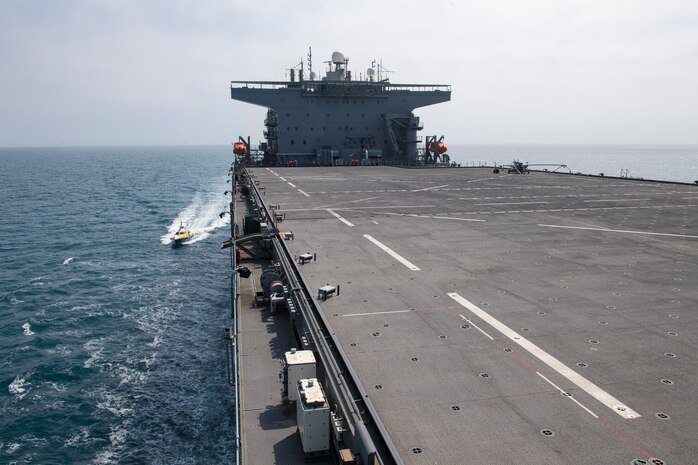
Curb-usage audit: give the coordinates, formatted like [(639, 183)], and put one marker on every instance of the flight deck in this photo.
[(505, 318)]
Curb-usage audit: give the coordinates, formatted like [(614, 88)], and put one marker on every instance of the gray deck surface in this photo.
[(606, 303)]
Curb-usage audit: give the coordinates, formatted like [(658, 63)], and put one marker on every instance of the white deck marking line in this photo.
[(476, 327), (508, 203), (617, 200), (450, 218), (387, 206), (282, 178), (587, 386), (562, 391), (617, 230), (374, 222), (303, 192), (332, 212), (292, 185), (376, 313), (337, 206), (392, 253), (430, 188), (420, 216)]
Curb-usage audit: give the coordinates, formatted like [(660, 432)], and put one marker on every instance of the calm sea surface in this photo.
[(665, 162), (111, 346)]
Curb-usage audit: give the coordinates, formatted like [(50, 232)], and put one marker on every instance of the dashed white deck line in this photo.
[(282, 178), (292, 185), (374, 222), (303, 192), (377, 313), (508, 203), (430, 188), (476, 327), (392, 253), (450, 218), (386, 206), (617, 200), (562, 391), (333, 213), (625, 231), (584, 384)]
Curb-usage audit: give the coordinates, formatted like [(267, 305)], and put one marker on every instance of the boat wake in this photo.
[(200, 216)]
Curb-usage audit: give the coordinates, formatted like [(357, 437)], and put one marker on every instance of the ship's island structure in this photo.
[(339, 120)]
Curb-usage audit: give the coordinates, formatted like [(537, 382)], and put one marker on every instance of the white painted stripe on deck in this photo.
[(450, 218), (508, 203), (376, 313), (476, 327), (430, 188), (374, 222), (562, 391), (587, 386), (303, 192), (617, 200), (617, 230), (332, 212), (292, 185), (282, 178), (392, 253)]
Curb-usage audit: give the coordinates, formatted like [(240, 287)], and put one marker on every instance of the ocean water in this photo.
[(662, 162), (111, 347)]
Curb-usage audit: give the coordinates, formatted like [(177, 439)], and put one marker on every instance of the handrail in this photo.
[(234, 285), (312, 86)]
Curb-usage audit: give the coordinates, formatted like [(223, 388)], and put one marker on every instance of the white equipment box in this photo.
[(313, 414), (298, 364)]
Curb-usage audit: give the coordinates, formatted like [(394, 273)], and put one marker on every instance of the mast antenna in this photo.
[(310, 59)]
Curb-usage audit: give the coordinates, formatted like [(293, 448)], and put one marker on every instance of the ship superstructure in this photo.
[(338, 120)]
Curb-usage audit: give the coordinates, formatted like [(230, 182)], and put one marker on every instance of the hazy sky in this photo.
[(117, 72)]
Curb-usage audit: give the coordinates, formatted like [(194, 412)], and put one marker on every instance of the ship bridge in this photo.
[(338, 120)]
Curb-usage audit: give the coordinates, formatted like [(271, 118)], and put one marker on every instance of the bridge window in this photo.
[(303, 141), (293, 142)]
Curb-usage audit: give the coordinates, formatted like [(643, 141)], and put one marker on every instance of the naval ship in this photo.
[(399, 309)]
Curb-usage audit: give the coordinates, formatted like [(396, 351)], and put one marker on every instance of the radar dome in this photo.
[(338, 58), (370, 72), (312, 75)]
